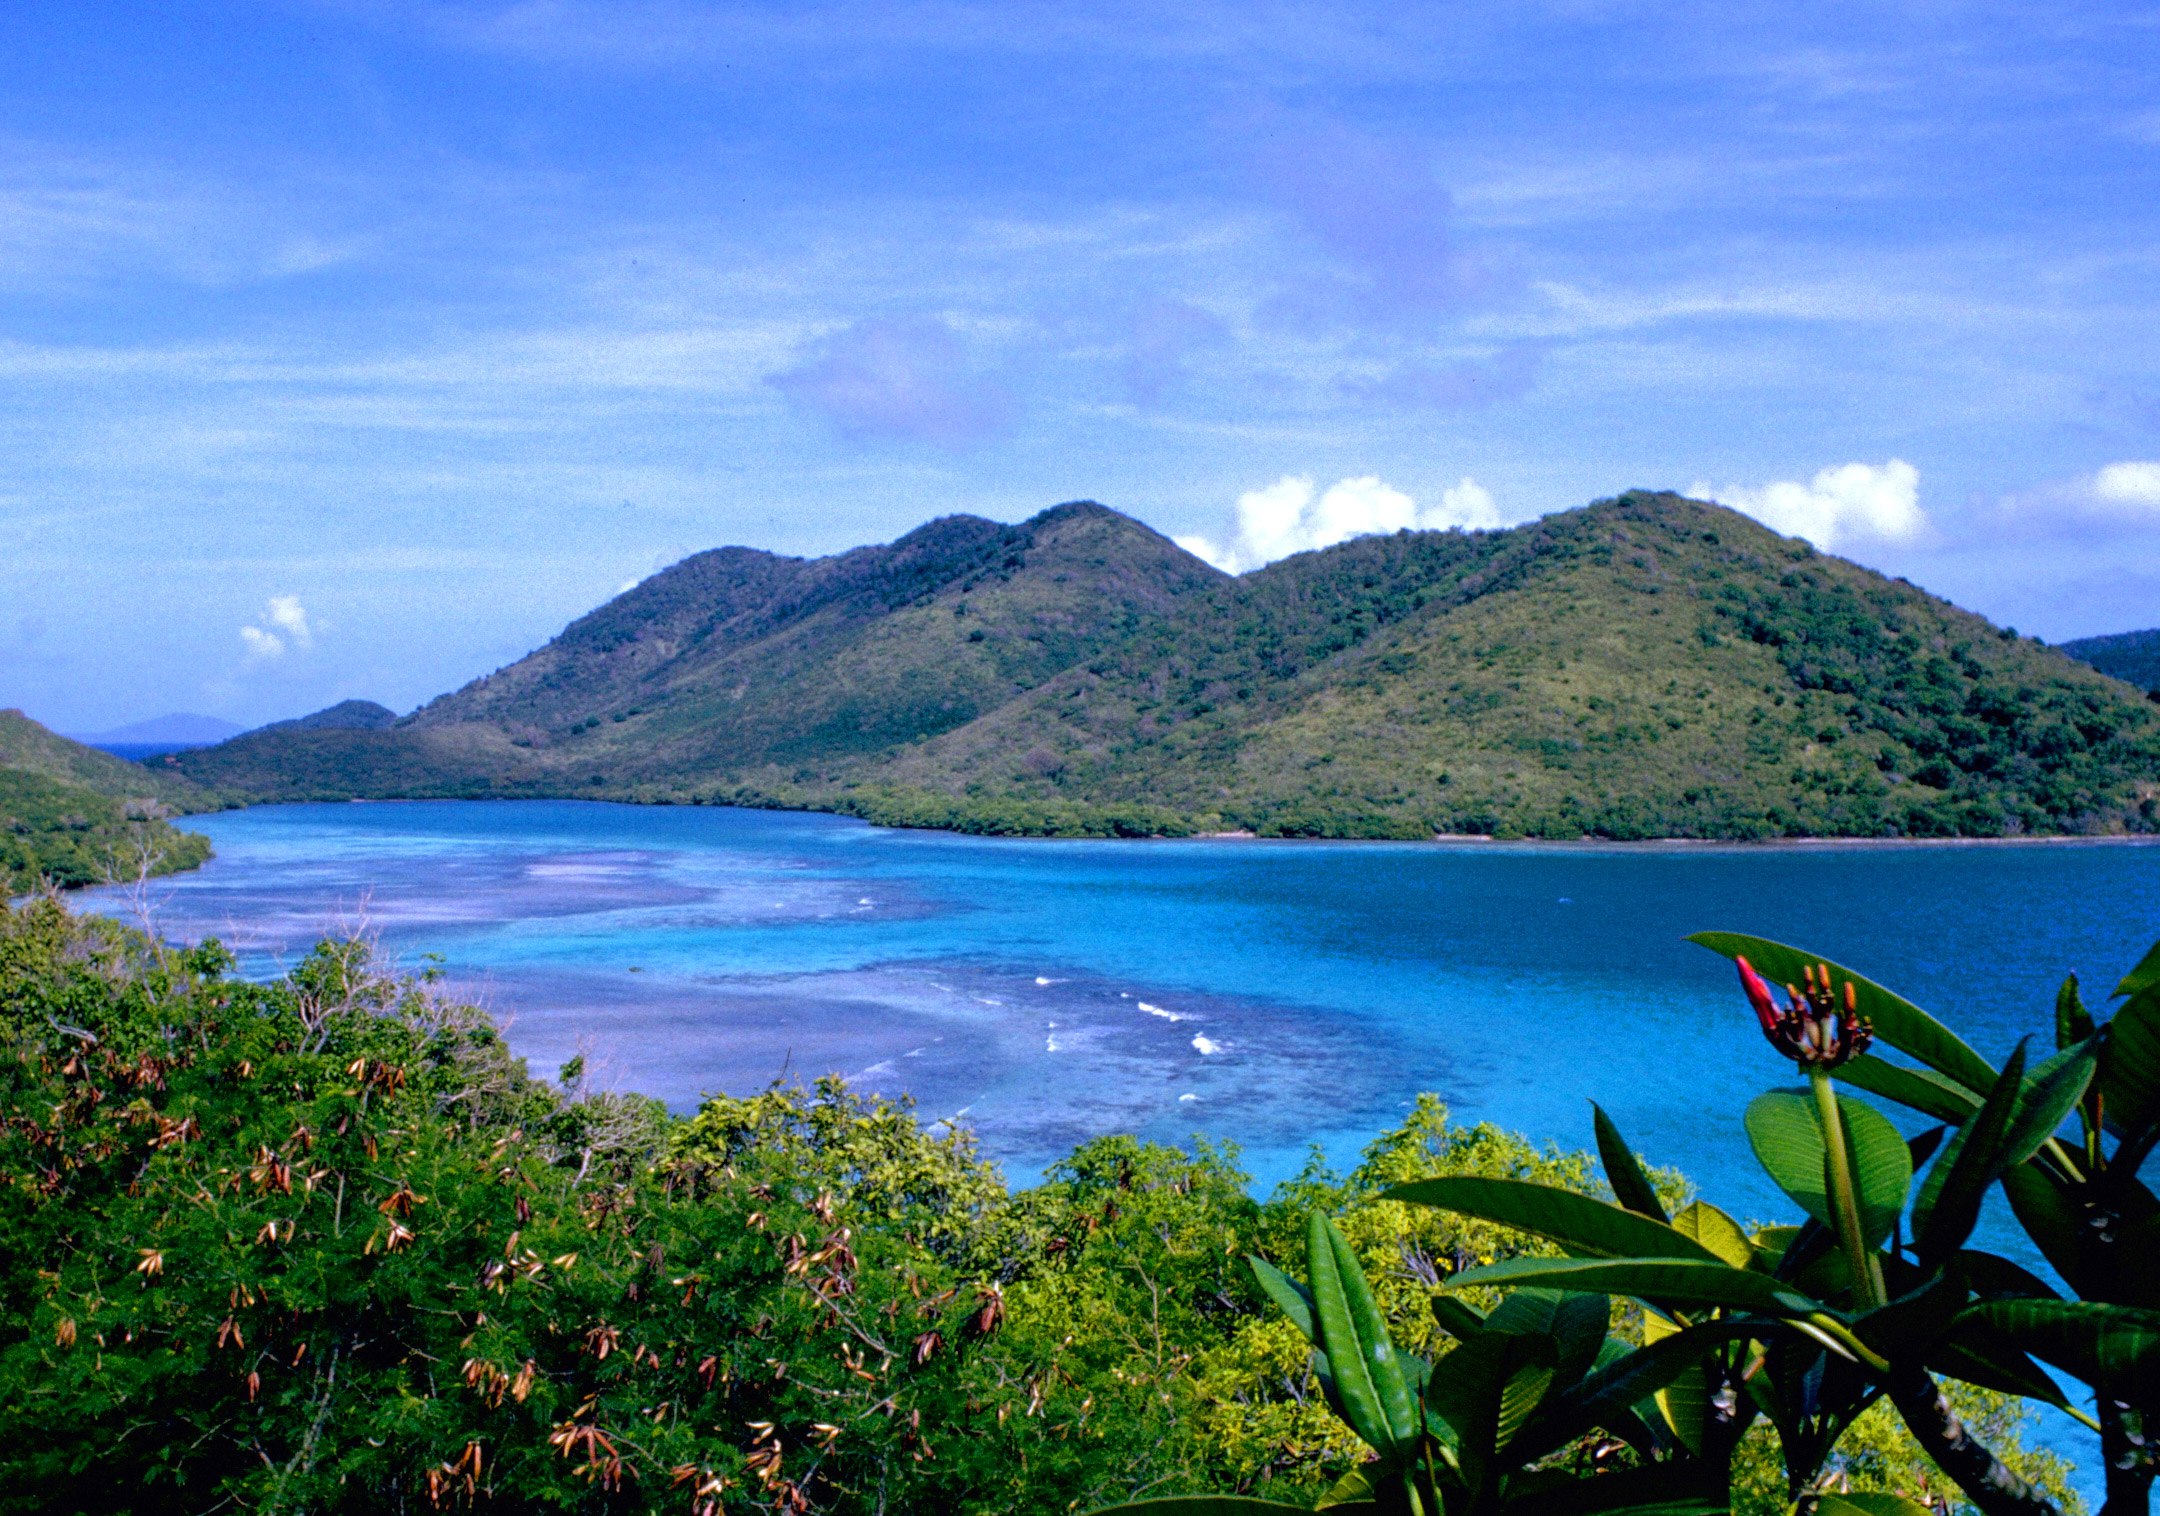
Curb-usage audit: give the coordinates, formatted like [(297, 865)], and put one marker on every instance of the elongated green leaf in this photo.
[(2114, 1348), (1576, 1323), (2073, 1023), (1788, 1141), (1989, 1277), (1350, 1494), (1980, 1354), (1949, 1204), (2052, 1218), (2049, 1096), (1679, 1488), (2143, 977), (1716, 1231), (1606, 1397), (1897, 1021), (1201, 1505), (1487, 1388), (1870, 1503), (1675, 1281), (1390, 1386), (1458, 1318), (1630, 1185), (1578, 1223), (1347, 1353), (1294, 1299), (1684, 1400), (1924, 1090), (2130, 1063)]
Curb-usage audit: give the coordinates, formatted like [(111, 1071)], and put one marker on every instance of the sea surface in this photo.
[(1279, 995)]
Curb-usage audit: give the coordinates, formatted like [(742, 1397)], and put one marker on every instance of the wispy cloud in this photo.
[(899, 381), (287, 626)]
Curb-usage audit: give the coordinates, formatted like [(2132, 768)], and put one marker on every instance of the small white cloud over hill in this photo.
[(1286, 518), (1840, 503), (288, 622)]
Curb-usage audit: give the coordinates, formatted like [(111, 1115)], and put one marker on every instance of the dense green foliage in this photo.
[(322, 1244), (2133, 657), (1648, 666), (30, 747), (67, 835)]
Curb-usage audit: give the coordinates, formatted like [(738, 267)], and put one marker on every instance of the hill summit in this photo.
[(1646, 666)]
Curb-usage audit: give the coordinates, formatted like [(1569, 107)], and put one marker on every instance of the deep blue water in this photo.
[(1276, 994)]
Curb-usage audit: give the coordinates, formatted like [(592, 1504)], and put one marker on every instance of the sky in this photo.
[(350, 349)]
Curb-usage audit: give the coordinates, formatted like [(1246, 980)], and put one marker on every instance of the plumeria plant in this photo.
[(1539, 1407)]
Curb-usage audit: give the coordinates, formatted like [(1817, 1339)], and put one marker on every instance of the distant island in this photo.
[(1647, 666)]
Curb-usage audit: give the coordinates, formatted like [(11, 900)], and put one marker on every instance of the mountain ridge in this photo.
[(1643, 666)]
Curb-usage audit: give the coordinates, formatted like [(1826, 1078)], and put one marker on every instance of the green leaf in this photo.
[(2130, 1063), (1897, 1021), (1924, 1090), (1980, 1354), (1684, 1400), (1716, 1231), (1608, 1396), (1199, 1505), (1376, 1401), (2051, 1217), (1989, 1276), (1870, 1503), (2113, 1348), (1354, 1491), (1576, 1323), (1788, 1141), (2049, 1095), (1680, 1488), (2143, 977), (1631, 1186), (1675, 1281), (1458, 1318), (1295, 1300), (2073, 1023), (1948, 1207), (1485, 1389), (1578, 1223)]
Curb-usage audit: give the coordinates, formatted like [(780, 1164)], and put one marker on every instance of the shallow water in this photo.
[(1274, 994)]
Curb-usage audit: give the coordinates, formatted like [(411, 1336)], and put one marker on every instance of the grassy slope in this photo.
[(2130, 656), (26, 745), (1647, 666)]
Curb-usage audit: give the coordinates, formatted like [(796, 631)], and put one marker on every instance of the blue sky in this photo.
[(350, 349)]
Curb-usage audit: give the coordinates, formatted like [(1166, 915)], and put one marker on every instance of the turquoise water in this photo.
[(1275, 994)]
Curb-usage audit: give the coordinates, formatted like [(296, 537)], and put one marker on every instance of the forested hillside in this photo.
[(2133, 657), (71, 815), (1646, 666)]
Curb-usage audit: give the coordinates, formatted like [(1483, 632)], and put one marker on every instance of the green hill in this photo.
[(26, 745), (2133, 657), (73, 815), (1645, 666)]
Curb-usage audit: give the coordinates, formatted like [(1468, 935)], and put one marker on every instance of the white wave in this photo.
[(864, 901), (1207, 1046), (1050, 1045), (1188, 1095), (1156, 1010), (1040, 980)]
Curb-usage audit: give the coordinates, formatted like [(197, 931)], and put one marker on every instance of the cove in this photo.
[(1278, 995)]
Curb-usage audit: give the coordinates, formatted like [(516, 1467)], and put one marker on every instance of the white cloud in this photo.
[(285, 613), (1850, 500), (289, 617), (2132, 487), (1284, 518)]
